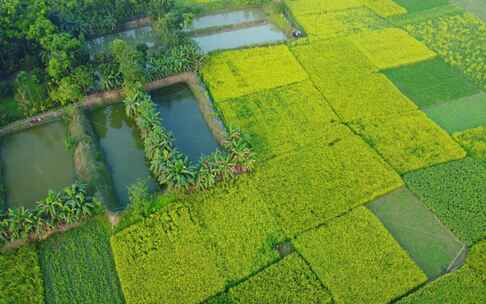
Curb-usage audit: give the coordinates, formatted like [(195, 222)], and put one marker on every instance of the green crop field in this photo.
[(267, 152)]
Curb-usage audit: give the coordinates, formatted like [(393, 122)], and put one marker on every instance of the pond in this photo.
[(181, 115), (123, 149), (430, 244), (35, 161), (250, 36), (228, 19), (136, 36)]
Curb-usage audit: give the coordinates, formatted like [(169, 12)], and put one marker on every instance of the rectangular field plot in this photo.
[(313, 185), (430, 244), (323, 26), (475, 7), (373, 95), (305, 7), (280, 120), (431, 82), (358, 260), (21, 277), (166, 257), (239, 224), (413, 6), (391, 48), (237, 73), (455, 192), (461, 114), (458, 38), (409, 141), (288, 281), (35, 161), (78, 266)]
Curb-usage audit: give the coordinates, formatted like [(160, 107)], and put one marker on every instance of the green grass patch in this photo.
[(430, 244), (166, 258), (78, 266), (20, 277), (313, 185), (241, 227), (384, 8), (288, 281), (391, 47), (409, 142), (431, 82), (413, 6), (358, 260), (242, 72), (280, 120), (461, 114), (455, 192), (459, 39)]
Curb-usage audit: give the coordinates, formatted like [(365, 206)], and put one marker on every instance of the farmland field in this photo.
[(257, 151)]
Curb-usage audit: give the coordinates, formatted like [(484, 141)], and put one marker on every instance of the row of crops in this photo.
[(381, 98)]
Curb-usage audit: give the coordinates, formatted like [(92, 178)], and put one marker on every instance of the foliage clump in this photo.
[(78, 266), (474, 142), (358, 260), (69, 206)]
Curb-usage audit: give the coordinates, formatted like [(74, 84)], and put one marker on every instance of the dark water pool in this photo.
[(123, 149), (181, 116), (35, 161)]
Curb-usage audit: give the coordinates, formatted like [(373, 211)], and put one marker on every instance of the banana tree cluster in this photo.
[(69, 206)]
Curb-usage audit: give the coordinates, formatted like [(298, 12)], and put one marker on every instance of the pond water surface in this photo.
[(255, 35), (227, 19), (123, 149), (141, 35), (35, 161), (181, 115)]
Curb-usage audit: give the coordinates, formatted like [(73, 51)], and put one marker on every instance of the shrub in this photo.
[(31, 93), (78, 266), (69, 206), (166, 257), (391, 48), (73, 88), (21, 278), (362, 262), (311, 186), (458, 39), (237, 73), (455, 193), (280, 120), (409, 141), (288, 281)]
